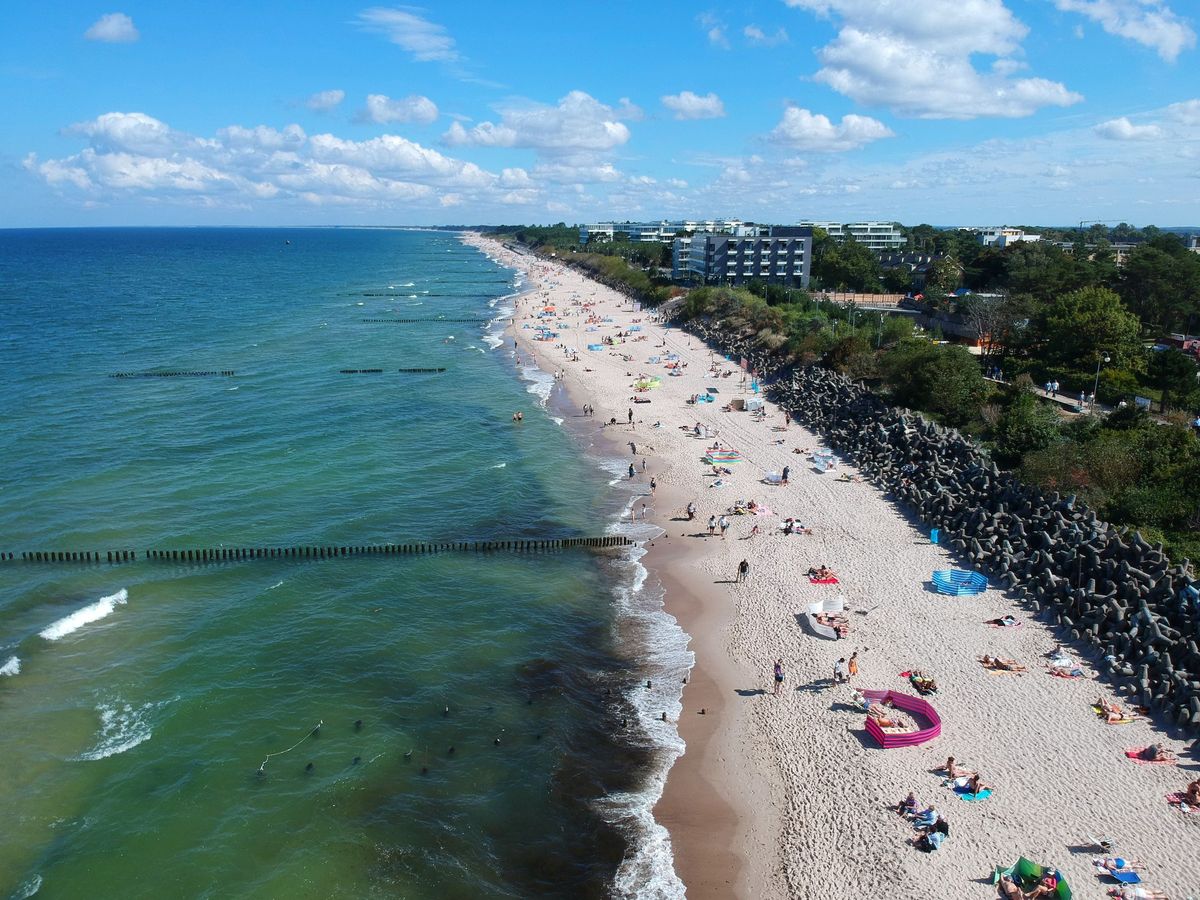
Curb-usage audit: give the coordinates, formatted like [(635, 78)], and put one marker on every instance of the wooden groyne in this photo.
[(237, 554), (472, 321), (217, 373), (380, 371)]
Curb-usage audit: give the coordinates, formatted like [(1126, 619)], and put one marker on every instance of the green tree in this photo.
[(848, 266), (1078, 328), (1026, 425), (1161, 283), (942, 379), (1173, 373)]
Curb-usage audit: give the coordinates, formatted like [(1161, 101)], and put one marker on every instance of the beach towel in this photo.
[(974, 798), (830, 580), (1135, 753), (1176, 798), (1099, 710)]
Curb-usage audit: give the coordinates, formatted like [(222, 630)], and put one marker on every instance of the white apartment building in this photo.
[(1000, 237), (879, 237), (664, 232), (782, 257)]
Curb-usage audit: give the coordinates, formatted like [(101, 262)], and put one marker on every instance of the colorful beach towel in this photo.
[(1099, 710), (974, 798), (1135, 753), (1176, 798), (830, 580)]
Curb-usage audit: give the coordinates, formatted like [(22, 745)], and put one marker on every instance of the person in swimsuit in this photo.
[(778, 676)]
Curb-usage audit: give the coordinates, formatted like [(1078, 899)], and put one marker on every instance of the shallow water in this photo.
[(138, 702)]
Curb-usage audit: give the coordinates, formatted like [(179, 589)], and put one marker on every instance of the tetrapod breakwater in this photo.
[(1105, 586), (307, 551)]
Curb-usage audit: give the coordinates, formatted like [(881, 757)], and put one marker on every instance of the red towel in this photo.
[(831, 580), (1135, 754)]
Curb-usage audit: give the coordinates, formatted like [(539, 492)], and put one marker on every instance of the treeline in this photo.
[(1134, 470)]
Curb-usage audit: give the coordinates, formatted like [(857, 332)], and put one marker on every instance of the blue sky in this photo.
[(942, 111)]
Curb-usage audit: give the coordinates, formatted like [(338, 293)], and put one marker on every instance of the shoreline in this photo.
[(703, 815), (788, 795)]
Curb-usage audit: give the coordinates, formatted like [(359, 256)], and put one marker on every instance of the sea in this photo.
[(444, 725)]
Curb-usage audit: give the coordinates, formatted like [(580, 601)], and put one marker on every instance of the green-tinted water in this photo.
[(131, 743)]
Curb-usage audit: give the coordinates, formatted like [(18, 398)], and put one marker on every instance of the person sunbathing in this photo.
[(1138, 892), (976, 785), (1111, 711), (1191, 795), (954, 770), (1047, 886), (1071, 671), (1116, 863), (1001, 665), (923, 684), (1003, 621), (821, 572), (1009, 889), (1155, 753)]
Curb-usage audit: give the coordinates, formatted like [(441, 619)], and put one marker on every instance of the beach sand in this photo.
[(789, 796)]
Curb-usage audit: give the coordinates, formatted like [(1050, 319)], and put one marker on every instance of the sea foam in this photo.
[(11, 667), (90, 613), (122, 727)]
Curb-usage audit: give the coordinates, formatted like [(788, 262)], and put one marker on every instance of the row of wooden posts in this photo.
[(220, 554)]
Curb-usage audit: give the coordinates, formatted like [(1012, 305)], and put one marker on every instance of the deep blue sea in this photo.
[(481, 733)]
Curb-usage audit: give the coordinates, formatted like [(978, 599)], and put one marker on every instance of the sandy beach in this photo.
[(788, 795)]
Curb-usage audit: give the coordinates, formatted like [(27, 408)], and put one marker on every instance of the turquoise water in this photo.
[(139, 701)]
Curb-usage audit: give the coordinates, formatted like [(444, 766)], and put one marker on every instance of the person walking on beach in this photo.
[(839, 671), (743, 570), (724, 523), (631, 415), (653, 485), (691, 510), (787, 470), (852, 665), (712, 525), (778, 676), (632, 472)]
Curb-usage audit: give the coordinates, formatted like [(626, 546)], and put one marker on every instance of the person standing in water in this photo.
[(632, 471)]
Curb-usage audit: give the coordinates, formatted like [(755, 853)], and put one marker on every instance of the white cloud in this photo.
[(1150, 23), (714, 30), (415, 108), (262, 137), (560, 173), (1123, 130), (426, 41), (756, 35), (687, 105), (113, 28), (323, 101), (1187, 112), (805, 130), (578, 123), (917, 58), (136, 132)]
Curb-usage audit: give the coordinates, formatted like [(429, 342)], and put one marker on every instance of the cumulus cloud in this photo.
[(137, 154), (687, 105), (917, 58), (1187, 112), (323, 101), (403, 26), (1123, 130), (1150, 23), (756, 35), (415, 108), (578, 123), (113, 28), (714, 30), (805, 130)]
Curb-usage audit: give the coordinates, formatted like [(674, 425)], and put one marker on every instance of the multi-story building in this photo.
[(879, 237), (664, 232), (782, 257), (1000, 237), (1120, 251)]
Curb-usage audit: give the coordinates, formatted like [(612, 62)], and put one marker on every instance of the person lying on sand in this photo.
[(1003, 621), (954, 770), (923, 684), (1138, 892), (821, 571), (1072, 671), (791, 526), (1111, 711), (1001, 665), (1191, 796), (1115, 863), (1155, 753)]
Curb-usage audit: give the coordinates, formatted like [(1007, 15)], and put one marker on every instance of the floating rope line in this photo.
[(316, 729)]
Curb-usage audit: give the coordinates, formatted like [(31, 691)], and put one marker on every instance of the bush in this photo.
[(941, 379), (1026, 425)]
